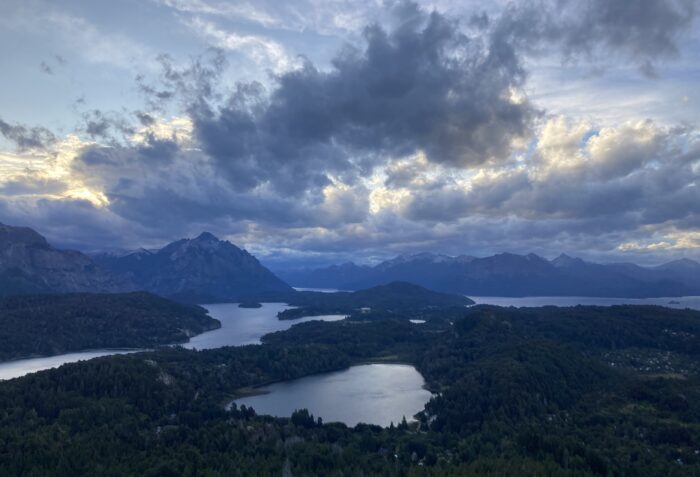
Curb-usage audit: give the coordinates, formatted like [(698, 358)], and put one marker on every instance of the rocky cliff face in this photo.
[(28, 264)]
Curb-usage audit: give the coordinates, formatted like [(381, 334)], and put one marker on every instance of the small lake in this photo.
[(373, 393), (671, 302), (239, 326)]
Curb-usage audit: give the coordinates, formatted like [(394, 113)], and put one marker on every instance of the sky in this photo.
[(323, 131)]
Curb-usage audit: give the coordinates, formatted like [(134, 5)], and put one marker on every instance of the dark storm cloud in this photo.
[(107, 163), (283, 163), (641, 31), (158, 149), (419, 86), (25, 137), (644, 29)]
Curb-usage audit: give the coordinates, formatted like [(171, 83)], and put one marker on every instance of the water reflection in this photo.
[(373, 393), (242, 326), (239, 326), (20, 367), (671, 302)]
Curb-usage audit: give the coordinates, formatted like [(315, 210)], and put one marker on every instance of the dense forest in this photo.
[(45, 325), (547, 391)]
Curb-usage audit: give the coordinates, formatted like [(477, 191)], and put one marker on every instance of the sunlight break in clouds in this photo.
[(348, 128)]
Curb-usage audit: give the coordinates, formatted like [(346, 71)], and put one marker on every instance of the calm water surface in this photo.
[(242, 326), (373, 393), (239, 326), (671, 302), (20, 367)]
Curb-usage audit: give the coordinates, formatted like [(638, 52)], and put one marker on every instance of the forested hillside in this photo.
[(42, 325), (547, 391), (393, 297)]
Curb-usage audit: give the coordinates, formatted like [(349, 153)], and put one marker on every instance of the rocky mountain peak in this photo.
[(201, 269), (206, 237), (564, 260)]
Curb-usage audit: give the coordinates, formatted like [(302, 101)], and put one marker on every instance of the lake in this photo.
[(239, 326), (671, 302), (20, 367), (372, 393)]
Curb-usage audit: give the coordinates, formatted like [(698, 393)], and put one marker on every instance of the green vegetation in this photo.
[(42, 325), (520, 393), (249, 304), (392, 298)]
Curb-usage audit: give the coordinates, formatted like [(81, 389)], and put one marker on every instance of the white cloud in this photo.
[(263, 51)]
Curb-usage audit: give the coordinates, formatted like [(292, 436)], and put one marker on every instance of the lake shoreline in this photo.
[(116, 350), (89, 350), (377, 391), (239, 326), (255, 390)]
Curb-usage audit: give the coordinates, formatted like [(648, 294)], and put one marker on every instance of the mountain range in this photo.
[(509, 274), (204, 269)]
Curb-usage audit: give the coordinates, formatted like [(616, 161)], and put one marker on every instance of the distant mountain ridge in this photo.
[(508, 274), (206, 269), (203, 269)]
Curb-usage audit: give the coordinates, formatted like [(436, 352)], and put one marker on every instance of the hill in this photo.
[(44, 325)]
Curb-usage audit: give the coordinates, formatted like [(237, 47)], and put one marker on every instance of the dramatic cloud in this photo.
[(627, 178), (419, 134), (640, 31), (422, 86)]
